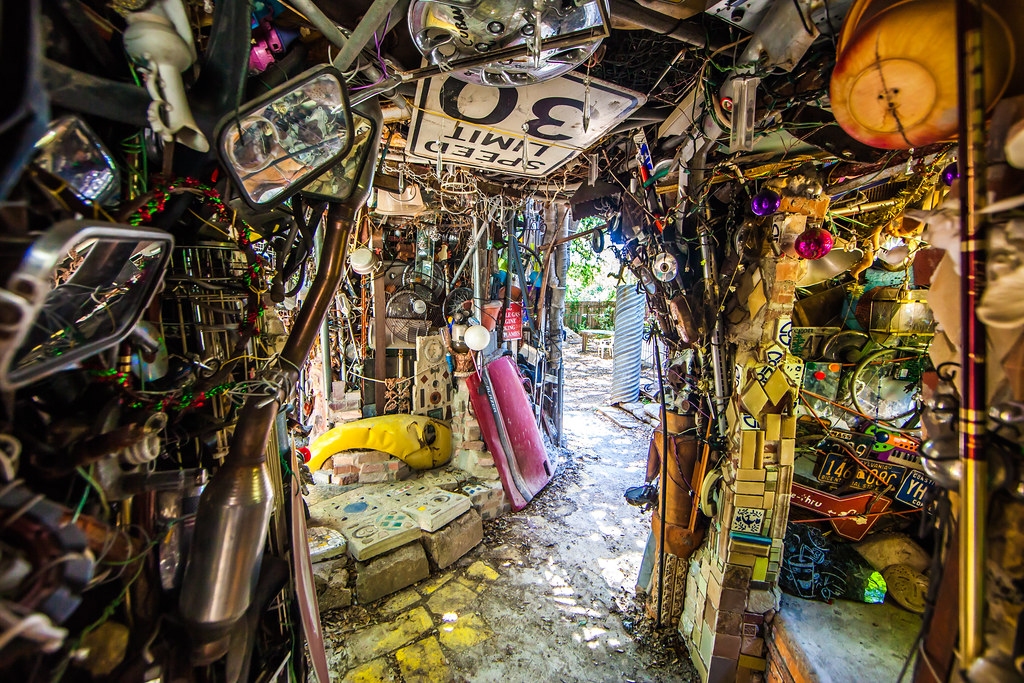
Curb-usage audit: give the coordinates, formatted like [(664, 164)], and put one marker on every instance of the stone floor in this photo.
[(550, 593)]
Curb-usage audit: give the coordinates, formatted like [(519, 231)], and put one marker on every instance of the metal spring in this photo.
[(145, 450)]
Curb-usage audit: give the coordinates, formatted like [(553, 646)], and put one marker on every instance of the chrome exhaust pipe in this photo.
[(234, 510)]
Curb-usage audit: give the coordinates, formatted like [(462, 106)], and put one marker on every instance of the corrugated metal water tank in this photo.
[(626, 347)]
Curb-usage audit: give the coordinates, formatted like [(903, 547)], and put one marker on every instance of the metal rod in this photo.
[(575, 236), (974, 486), (560, 414), (333, 34), (376, 15), (864, 207), (321, 22), (478, 288), (380, 347), (663, 498), (472, 250)]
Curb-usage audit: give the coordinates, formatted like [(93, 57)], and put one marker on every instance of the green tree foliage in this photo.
[(592, 276)]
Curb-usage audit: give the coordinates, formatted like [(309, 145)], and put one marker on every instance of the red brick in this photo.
[(474, 445), (753, 647), (372, 468), (365, 457), (786, 270)]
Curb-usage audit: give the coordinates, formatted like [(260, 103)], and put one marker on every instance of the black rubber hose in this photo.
[(219, 88), (88, 94), (301, 281)]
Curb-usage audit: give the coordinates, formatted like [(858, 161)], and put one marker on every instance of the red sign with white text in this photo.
[(850, 515), (513, 329)]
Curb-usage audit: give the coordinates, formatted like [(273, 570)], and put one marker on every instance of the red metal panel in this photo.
[(525, 454)]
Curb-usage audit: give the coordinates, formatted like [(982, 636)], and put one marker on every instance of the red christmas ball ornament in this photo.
[(813, 243)]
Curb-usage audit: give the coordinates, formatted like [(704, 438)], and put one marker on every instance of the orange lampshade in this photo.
[(895, 81)]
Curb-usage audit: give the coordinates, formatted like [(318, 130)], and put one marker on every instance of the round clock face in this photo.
[(433, 351)]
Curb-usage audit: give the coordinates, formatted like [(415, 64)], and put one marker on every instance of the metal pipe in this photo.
[(333, 34), (396, 113), (711, 284), (321, 22), (478, 293), (257, 415), (560, 414), (325, 333), (82, 92), (663, 497), (472, 250), (651, 20), (973, 235), (864, 207), (234, 510), (376, 15)]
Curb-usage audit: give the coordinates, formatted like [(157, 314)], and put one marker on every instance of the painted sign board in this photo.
[(849, 515), (513, 329), (485, 127)]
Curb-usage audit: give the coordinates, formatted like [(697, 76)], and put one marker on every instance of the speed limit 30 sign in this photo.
[(485, 127)]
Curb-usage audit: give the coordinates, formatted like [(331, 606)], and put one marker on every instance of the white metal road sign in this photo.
[(485, 127)]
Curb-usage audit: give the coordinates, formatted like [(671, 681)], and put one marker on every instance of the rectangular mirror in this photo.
[(81, 288), (71, 151), (336, 183), (276, 145)]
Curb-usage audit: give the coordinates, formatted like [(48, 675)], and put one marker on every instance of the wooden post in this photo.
[(380, 347)]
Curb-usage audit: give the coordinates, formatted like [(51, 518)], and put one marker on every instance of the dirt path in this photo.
[(549, 594)]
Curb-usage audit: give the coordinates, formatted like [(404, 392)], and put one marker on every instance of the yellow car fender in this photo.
[(421, 442)]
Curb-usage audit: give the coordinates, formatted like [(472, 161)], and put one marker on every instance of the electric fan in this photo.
[(408, 315), (459, 300), (425, 285)]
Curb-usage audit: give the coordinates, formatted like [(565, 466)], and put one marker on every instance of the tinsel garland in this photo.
[(187, 400), (210, 197)]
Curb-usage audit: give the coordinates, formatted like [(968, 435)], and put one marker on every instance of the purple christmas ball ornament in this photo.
[(765, 203), (950, 173)]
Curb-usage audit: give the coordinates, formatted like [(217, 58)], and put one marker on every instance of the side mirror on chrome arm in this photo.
[(80, 288), (285, 140), (231, 530)]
